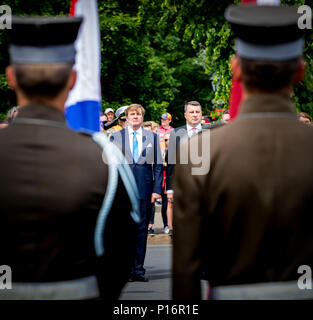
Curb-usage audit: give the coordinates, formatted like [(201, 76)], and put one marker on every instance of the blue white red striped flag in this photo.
[(84, 102)]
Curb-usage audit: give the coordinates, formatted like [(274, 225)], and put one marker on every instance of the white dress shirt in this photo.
[(139, 139), (190, 131)]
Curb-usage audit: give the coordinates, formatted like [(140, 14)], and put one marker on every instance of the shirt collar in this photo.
[(130, 130), (198, 127)]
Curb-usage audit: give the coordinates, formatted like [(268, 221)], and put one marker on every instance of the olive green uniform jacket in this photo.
[(249, 218), (52, 184)]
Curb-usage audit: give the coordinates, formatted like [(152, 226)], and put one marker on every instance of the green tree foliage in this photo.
[(160, 53), (302, 96)]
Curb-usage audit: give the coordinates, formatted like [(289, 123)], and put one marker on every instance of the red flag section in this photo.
[(236, 89), (72, 8)]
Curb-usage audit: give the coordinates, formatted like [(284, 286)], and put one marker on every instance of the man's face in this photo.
[(135, 118), (305, 120), (165, 122), (103, 118), (110, 116), (193, 115), (226, 117), (122, 123)]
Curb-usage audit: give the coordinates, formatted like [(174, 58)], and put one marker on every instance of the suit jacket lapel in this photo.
[(144, 144), (126, 147)]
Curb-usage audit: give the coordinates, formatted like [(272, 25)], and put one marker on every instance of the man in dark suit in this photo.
[(247, 222), (143, 154), (193, 116), (54, 180)]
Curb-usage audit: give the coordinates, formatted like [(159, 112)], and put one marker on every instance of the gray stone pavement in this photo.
[(158, 270), (158, 266), (158, 221)]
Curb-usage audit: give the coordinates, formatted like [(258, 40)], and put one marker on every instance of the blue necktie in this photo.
[(135, 147)]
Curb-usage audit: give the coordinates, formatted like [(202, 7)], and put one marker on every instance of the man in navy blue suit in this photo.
[(142, 152), (193, 116)]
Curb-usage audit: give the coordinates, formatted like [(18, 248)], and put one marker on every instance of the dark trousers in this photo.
[(141, 238), (163, 211)]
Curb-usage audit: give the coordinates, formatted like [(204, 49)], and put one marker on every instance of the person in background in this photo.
[(166, 119), (12, 113), (154, 127), (305, 118), (142, 152), (193, 116), (103, 121), (109, 112), (163, 201), (226, 116), (121, 117), (147, 125), (169, 205)]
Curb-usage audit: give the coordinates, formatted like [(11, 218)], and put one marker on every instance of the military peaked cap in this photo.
[(43, 39), (266, 32)]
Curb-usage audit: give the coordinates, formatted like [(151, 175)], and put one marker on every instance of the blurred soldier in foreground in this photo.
[(54, 180), (247, 223)]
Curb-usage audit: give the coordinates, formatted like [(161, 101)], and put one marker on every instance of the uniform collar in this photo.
[(40, 111), (267, 103)]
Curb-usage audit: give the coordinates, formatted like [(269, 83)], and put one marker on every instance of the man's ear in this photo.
[(72, 79), (236, 68), (301, 71), (10, 74)]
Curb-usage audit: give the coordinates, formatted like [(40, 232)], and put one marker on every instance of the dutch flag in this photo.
[(84, 101)]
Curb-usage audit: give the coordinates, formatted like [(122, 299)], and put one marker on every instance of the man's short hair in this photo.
[(268, 76), (154, 125), (46, 80), (193, 103), (147, 124), (135, 107)]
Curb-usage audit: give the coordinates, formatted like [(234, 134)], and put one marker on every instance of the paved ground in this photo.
[(158, 266), (159, 237), (158, 270)]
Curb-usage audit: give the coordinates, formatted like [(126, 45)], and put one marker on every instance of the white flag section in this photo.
[(84, 101)]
